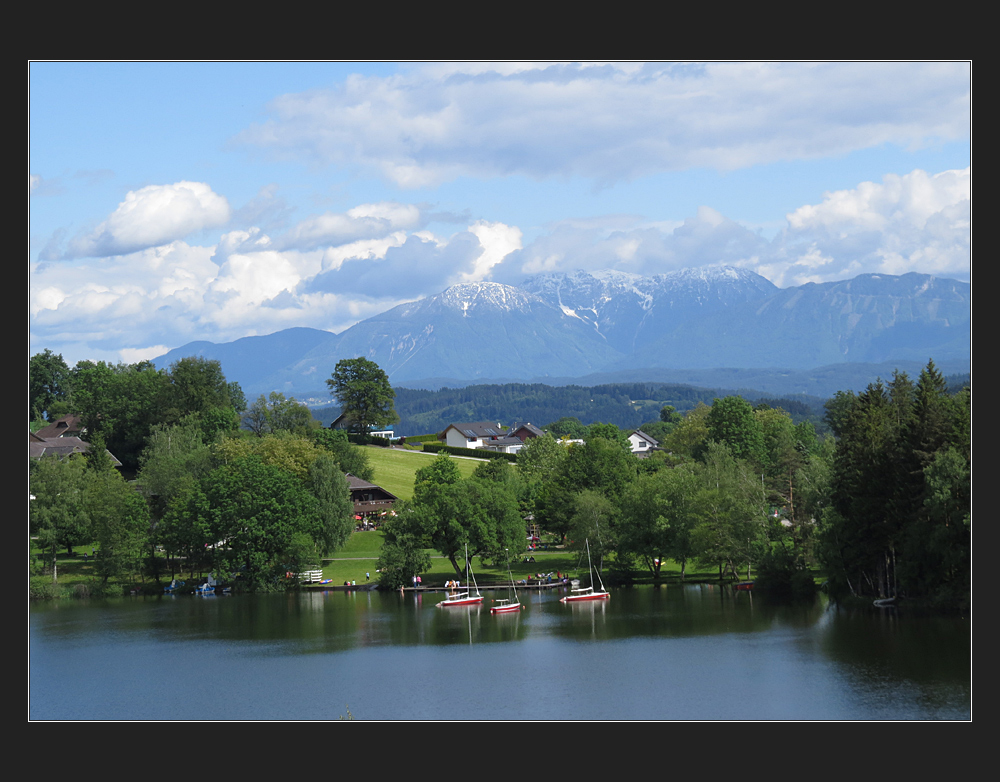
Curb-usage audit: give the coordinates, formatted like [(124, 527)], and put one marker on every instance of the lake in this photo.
[(673, 653)]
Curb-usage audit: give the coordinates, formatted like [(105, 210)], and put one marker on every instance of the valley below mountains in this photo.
[(605, 326)]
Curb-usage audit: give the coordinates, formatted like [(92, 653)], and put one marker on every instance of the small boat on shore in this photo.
[(587, 593)]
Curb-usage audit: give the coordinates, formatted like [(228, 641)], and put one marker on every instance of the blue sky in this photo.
[(172, 202)]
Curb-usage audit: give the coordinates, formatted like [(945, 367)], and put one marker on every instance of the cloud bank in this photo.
[(612, 122)]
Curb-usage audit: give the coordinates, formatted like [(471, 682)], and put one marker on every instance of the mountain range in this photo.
[(559, 326)]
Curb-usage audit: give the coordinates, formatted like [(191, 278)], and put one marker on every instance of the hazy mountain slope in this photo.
[(476, 330), (562, 326), (631, 311), (263, 363)]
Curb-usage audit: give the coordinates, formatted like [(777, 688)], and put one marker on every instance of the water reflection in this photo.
[(678, 652)]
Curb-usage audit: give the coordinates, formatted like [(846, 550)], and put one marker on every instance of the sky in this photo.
[(178, 201)]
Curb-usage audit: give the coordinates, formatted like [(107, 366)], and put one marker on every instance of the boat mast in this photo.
[(511, 575), (468, 570), (592, 569)]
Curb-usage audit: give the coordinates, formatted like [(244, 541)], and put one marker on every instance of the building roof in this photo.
[(528, 427), (646, 437), (60, 438), (59, 446), (359, 484), (504, 442), (477, 429), (67, 426)]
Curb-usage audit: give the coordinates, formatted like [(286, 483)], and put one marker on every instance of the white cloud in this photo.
[(706, 239), (610, 121), (368, 221), (498, 241), (152, 216), (912, 223)]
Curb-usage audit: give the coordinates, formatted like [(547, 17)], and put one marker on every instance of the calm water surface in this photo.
[(693, 652)]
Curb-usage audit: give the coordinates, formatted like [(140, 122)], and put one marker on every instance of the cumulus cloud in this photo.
[(368, 221), (706, 239), (915, 222), (153, 216), (611, 122), (420, 266)]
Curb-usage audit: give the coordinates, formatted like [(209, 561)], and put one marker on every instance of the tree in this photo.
[(48, 385), (291, 454), (258, 509), (600, 464), (657, 517), (688, 437), (449, 514), (57, 512), (611, 433), (274, 413), (402, 555), (364, 394), (120, 518), (350, 457), (731, 421), (594, 520), (567, 427), (174, 456), (669, 415), (196, 385), (539, 457), (732, 519), (336, 511)]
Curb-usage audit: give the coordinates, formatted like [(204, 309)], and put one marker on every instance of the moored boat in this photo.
[(507, 605), (464, 598), (587, 593)]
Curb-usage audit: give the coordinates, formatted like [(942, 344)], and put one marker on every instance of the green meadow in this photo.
[(396, 469)]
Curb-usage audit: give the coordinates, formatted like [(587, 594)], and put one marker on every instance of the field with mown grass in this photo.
[(395, 469)]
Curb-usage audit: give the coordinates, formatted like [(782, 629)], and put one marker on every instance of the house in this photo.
[(641, 443), (481, 434), (368, 498), (525, 431), (471, 435), (60, 438)]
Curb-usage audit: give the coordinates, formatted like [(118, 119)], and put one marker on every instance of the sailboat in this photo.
[(506, 605), (464, 598), (587, 593)]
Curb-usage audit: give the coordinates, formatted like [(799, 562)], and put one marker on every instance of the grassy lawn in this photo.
[(395, 470)]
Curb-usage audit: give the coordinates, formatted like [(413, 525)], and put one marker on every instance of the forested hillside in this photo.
[(626, 405)]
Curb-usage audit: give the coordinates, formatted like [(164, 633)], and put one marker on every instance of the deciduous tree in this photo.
[(364, 394)]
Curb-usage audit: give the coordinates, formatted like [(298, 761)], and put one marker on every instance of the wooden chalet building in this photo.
[(369, 499)]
